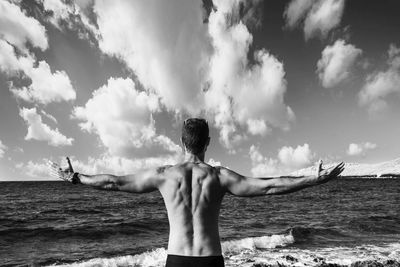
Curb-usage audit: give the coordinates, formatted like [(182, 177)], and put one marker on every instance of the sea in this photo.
[(346, 222)]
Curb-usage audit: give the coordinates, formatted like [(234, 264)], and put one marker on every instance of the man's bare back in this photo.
[(192, 194)]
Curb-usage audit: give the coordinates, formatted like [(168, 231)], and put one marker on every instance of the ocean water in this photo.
[(343, 222)]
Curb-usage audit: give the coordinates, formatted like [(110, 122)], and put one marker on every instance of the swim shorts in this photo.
[(191, 261)]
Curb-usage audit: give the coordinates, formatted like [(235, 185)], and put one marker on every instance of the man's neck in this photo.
[(194, 157)]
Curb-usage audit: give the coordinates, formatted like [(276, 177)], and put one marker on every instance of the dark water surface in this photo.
[(44, 223)]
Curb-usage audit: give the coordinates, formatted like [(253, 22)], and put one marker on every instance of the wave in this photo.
[(262, 242), (153, 258), (250, 256), (158, 256)]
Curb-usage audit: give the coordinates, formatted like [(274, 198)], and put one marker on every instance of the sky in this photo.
[(281, 83)]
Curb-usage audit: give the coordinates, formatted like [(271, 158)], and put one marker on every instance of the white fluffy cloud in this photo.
[(379, 85), (36, 170), (17, 28), (71, 16), (9, 63), (239, 94), (360, 149), (37, 130), (296, 158), (213, 162), (3, 148), (164, 42), (288, 160), (336, 62), (45, 86), (317, 18), (195, 67), (60, 10), (122, 117), (296, 10), (263, 166)]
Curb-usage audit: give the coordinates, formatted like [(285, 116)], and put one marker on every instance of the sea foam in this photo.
[(158, 256), (153, 258), (262, 242), (273, 250)]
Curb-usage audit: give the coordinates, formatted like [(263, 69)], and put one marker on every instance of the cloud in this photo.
[(360, 149), (379, 85), (9, 63), (198, 68), (213, 162), (336, 62), (288, 160), (317, 18), (296, 10), (38, 170), (3, 148), (165, 43), (241, 94), (122, 117), (49, 116), (60, 10), (263, 166), (18, 29), (296, 158), (37, 130), (71, 15), (45, 86)]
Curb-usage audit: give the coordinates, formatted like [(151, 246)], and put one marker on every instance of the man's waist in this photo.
[(183, 260)]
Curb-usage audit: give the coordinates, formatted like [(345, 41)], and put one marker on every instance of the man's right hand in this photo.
[(326, 175), (57, 172)]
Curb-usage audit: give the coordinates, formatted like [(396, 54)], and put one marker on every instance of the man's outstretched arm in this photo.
[(141, 182), (240, 185)]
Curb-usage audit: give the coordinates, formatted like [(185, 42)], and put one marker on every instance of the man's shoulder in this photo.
[(190, 166)]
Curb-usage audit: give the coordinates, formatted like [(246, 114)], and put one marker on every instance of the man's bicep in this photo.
[(240, 185), (143, 181)]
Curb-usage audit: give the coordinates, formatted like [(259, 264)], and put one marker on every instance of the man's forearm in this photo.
[(285, 185), (99, 181)]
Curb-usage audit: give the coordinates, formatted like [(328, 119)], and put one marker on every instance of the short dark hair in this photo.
[(195, 134)]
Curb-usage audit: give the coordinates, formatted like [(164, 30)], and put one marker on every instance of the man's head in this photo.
[(195, 135)]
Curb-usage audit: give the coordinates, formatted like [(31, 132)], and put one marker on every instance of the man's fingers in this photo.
[(56, 171), (70, 165), (335, 170), (338, 169), (319, 166), (339, 166), (52, 165)]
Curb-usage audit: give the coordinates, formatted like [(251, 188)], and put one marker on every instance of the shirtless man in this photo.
[(193, 191)]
